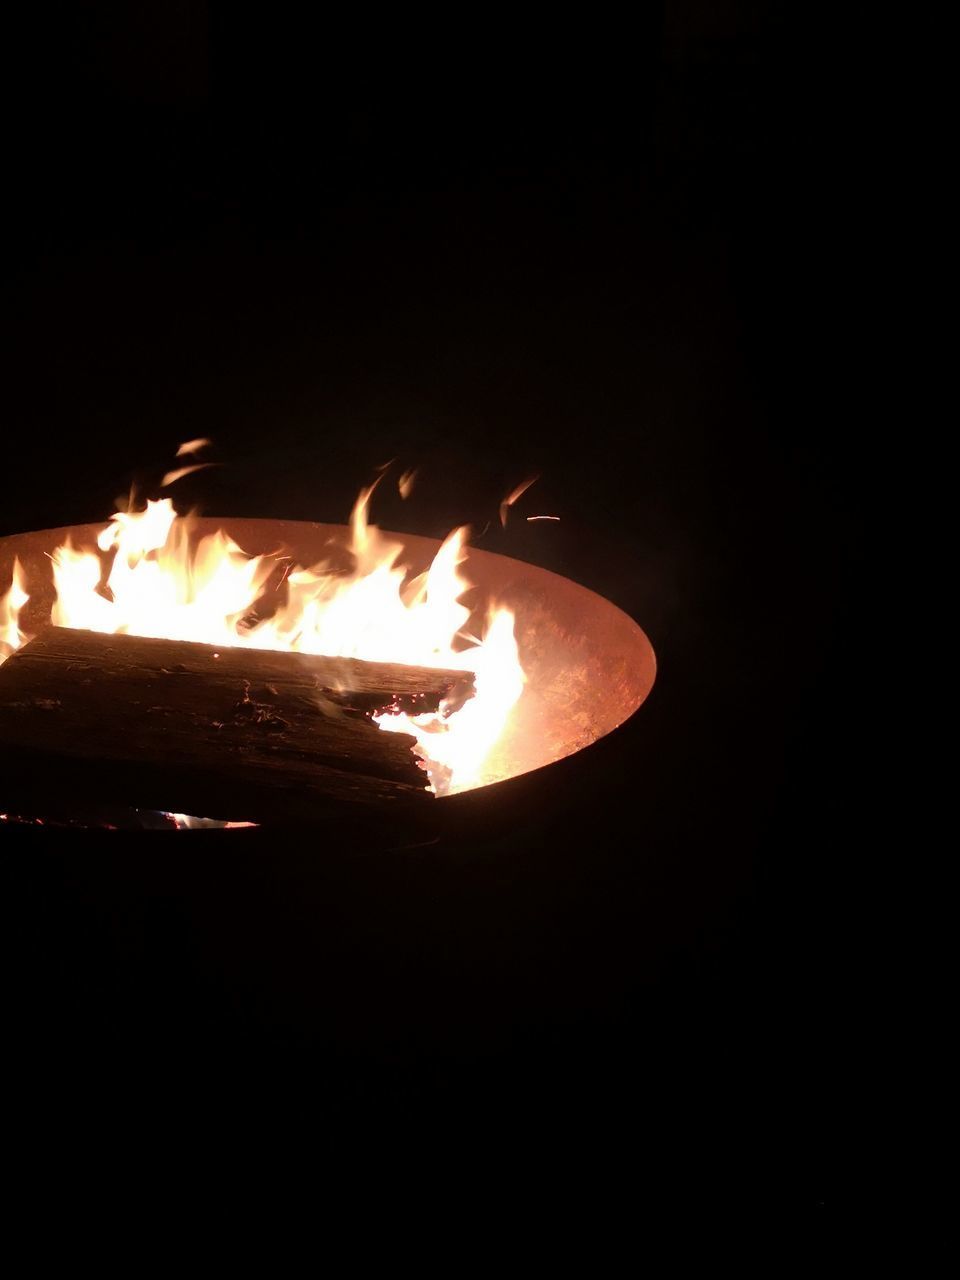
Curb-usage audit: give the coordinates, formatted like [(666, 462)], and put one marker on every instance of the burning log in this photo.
[(263, 736)]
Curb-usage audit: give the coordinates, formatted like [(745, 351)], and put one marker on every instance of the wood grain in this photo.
[(245, 734)]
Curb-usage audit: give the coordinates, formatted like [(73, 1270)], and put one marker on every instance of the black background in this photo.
[(629, 255)]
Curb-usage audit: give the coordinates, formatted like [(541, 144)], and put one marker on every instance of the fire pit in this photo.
[(558, 668)]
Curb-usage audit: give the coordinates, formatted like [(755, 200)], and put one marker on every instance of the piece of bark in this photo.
[(235, 733)]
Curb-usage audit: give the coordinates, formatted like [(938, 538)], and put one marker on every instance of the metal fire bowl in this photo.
[(588, 665)]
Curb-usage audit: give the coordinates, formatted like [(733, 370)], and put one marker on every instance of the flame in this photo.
[(455, 748), (11, 637), (152, 577)]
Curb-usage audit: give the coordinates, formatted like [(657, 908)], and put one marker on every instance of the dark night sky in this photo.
[(629, 255)]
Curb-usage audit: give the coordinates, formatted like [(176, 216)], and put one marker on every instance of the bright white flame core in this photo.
[(165, 584), (11, 637)]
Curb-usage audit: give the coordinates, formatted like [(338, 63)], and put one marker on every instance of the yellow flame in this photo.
[(455, 748), (11, 604), (164, 583)]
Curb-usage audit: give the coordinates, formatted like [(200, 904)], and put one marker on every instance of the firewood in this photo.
[(235, 733)]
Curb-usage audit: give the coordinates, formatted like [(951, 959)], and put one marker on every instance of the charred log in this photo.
[(96, 720)]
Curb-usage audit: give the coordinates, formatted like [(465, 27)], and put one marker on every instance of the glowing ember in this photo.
[(186, 822), (162, 582)]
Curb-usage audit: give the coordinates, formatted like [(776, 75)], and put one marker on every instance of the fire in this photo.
[(11, 637), (152, 577), (461, 743)]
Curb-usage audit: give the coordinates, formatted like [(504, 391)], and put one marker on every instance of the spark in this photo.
[(511, 498), (192, 446), (173, 476)]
